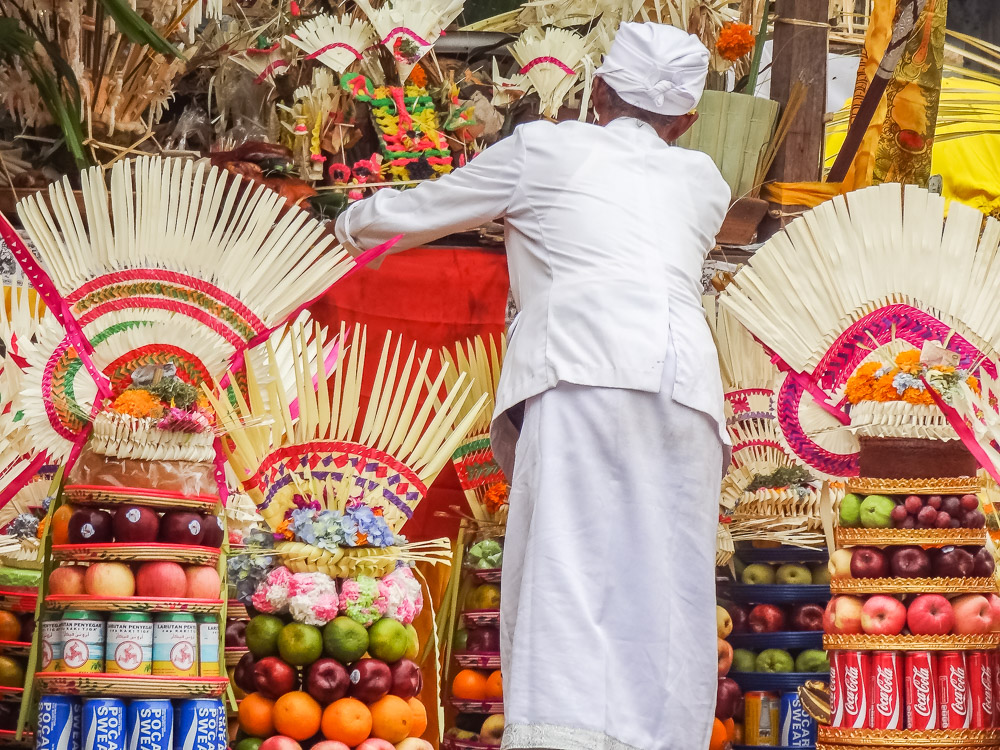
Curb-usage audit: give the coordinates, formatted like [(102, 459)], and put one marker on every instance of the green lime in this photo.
[(345, 640), (413, 650), (299, 644), (461, 639), (262, 635), (250, 743), (388, 640)]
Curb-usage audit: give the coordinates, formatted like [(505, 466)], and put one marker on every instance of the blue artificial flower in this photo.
[(904, 380), (301, 524)]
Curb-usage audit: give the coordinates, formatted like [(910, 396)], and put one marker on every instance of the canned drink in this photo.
[(887, 690), (200, 724), (953, 691), (995, 659), (175, 645), (58, 726), (856, 674), (130, 643), (50, 654), (150, 725), (836, 689), (798, 729), (208, 645), (82, 642), (979, 668), (103, 724), (761, 718), (920, 684)]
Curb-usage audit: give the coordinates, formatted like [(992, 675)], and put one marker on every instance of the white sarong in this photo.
[(608, 633)]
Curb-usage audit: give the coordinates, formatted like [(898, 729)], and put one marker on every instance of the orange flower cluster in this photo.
[(864, 386), (909, 361), (861, 385), (496, 497), (418, 77), (139, 404), (735, 40)]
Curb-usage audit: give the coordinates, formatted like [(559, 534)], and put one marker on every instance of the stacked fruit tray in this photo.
[(914, 624), (130, 606), (475, 690), (17, 624), (772, 621)]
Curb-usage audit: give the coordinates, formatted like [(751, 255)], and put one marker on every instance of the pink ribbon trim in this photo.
[(552, 61), (965, 433), (812, 389), (26, 475), (408, 32), (333, 45), (220, 474)]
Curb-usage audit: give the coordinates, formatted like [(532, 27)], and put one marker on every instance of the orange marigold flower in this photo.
[(735, 40), (861, 384), (973, 383), (139, 404), (914, 396), (496, 497), (418, 76), (40, 532)]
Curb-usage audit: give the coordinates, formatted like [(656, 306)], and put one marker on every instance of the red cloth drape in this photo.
[(434, 297)]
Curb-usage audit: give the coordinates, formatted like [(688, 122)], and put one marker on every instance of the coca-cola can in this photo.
[(855, 690), (953, 691), (979, 666), (995, 659), (887, 690), (919, 680), (837, 688)]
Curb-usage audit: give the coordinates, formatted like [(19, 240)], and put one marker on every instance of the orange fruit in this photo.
[(494, 687), (469, 685), (297, 715), (720, 737), (257, 715), (348, 721), (60, 524), (730, 725), (419, 724), (10, 627), (392, 719)]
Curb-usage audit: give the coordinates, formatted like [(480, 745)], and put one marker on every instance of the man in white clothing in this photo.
[(610, 399)]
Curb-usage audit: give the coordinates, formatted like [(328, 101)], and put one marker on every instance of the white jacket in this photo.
[(606, 231)]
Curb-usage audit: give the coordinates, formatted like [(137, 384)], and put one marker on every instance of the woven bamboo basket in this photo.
[(339, 563), (132, 604), (181, 553), (131, 686), (927, 537), (869, 738), (933, 486), (913, 585)]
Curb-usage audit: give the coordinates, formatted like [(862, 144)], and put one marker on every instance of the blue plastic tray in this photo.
[(775, 680), (786, 640), (773, 593), (782, 554)]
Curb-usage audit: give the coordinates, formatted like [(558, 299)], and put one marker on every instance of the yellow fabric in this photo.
[(808, 194), (966, 146)]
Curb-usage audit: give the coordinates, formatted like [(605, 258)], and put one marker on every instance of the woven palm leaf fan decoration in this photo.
[(340, 456), (336, 41), (481, 478), (409, 28), (853, 275), (506, 91), (552, 59)]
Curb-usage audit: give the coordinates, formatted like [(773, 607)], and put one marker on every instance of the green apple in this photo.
[(821, 573), (876, 512), (850, 511), (812, 660), (774, 660), (791, 573), (758, 573), (744, 660), (739, 566)]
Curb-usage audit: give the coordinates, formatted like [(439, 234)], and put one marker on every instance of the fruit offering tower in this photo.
[(888, 336), (154, 279), (331, 588)]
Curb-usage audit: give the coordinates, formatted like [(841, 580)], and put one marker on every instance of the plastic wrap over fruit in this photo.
[(184, 477), (486, 555), (361, 600), (403, 595), (313, 599)]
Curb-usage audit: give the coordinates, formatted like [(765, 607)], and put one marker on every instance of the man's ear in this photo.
[(680, 126)]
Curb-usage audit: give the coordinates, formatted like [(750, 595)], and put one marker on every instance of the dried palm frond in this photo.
[(336, 41), (409, 28), (552, 60)]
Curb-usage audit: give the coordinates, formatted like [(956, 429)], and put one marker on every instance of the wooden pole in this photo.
[(801, 28)]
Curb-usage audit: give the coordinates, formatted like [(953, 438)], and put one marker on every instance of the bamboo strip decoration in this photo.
[(857, 273), (480, 476), (336, 41), (408, 29), (552, 59), (334, 450)]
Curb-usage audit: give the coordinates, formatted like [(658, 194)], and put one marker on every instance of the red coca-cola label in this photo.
[(995, 660), (953, 691), (856, 689), (837, 688), (921, 691), (887, 691), (979, 665)]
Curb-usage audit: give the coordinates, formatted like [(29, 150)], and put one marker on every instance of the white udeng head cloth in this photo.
[(656, 67)]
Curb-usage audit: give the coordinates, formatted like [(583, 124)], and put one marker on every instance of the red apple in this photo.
[(840, 563), (725, 657), (408, 680), (869, 562), (162, 578), (953, 562), (983, 564), (90, 526), (279, 742), (273, 677), (843, 615), (766, 618), (973, 614), (727, 699), (212, 534), (203, 582), (67, 580), (243, 675), (807, 617), (371, 680), (328, 681), (483, 640), (236, 634), (930, 614), (883, 615), (109, 580), (181, 527), (909, 562), (740, 614), (136, 524), (995, 609)]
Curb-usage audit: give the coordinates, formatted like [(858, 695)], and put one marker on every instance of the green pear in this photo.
[(774, 660), (876, 512), (812, 660), (758, 573), (850, 511), (744, 660)]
